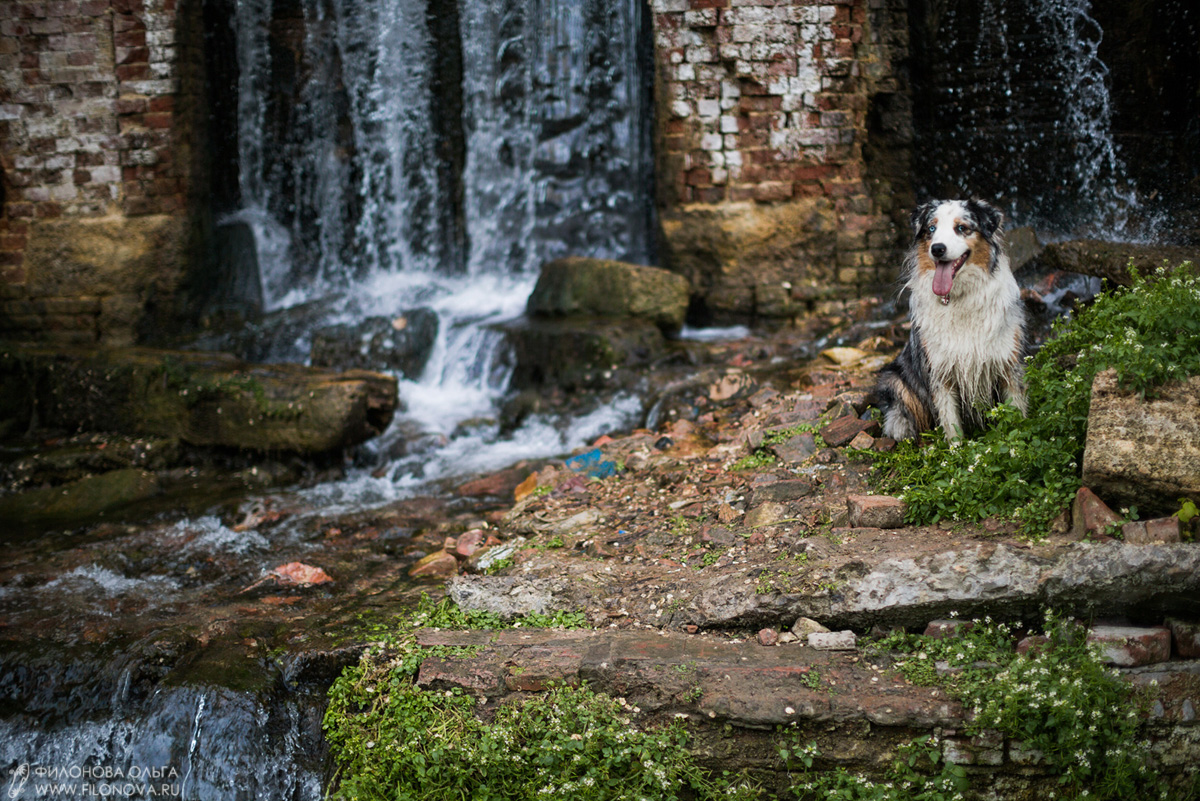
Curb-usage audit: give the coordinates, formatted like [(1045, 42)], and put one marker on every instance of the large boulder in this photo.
[(209, 399), (1111, 260), (579, 287), (402, 343), (1144, 452)]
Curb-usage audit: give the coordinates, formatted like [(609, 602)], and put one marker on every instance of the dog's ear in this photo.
[(987, 217), (921, 216)]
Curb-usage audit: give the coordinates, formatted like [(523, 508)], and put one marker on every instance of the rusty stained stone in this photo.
[(1130, 646), (1090, 515), (875, 511), (1150, 532)]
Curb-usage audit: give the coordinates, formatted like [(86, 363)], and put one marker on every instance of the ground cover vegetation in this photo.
[(393, 740), (1028, 468)]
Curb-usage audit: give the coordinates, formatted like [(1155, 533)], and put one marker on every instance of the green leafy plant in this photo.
[(1058, 700), (917, 773), (1027, 468), (393, 740)]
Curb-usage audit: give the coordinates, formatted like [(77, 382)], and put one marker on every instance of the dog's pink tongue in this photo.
[(943, 278)]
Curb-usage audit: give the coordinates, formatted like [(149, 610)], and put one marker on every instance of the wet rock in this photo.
[(875, 511), (401, 344), (579, 352), (1091, 516), (1143, 452), (1128, 646), (581, 287), (436, 565), (76, 457), (79, 501), (1111, 260), (198, 398), (1148, 532)]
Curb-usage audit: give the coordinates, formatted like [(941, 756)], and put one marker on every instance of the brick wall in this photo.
[(768, 102), (88, 103)]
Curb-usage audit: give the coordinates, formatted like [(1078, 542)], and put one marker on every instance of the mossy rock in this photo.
[(579, 287), (208, 399), (79, 501)]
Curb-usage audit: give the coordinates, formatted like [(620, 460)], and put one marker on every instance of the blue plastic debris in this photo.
[(592, 464)]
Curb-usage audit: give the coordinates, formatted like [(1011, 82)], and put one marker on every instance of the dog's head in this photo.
[(953, 235)]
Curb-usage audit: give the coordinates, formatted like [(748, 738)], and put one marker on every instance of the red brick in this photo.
[(130, 39), (81, 58), (133, 55), (158, 120), (708, 194), (131, 105), (93, 8), (46, 210), (162, 103), (133, 72)]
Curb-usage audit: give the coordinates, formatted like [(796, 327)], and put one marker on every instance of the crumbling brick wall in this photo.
[(769, 102), (90, 129)]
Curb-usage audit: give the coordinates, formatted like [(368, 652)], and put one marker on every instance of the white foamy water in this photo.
[(93, 579)]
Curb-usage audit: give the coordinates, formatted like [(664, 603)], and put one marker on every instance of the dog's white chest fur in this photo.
[(970, 340)]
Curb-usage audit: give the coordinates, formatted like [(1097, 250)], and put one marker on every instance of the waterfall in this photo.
[(1012, 103), (381, 137)]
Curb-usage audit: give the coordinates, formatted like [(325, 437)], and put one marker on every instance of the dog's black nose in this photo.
[(938, 250)]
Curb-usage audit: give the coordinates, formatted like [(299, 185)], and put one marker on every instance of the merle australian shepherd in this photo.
[(965, 353)]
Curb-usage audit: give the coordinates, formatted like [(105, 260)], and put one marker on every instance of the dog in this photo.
[(967, 347)]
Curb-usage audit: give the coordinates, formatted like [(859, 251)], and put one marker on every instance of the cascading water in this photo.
[(394, 155), (1012, 103)]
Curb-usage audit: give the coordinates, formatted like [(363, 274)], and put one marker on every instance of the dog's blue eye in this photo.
[(932, 228), (963, 230)]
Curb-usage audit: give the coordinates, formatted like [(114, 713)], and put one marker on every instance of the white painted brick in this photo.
[(710, 141), (716, 159), (720, 176), (685, 72), (106, 174), (729, 124), (827, 13), (681, 108), (708, 108), (667, 6)]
